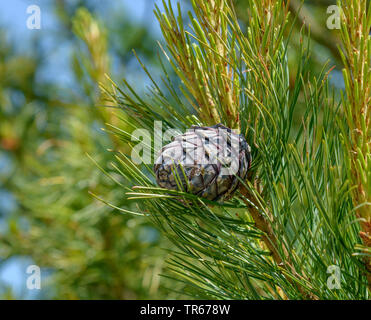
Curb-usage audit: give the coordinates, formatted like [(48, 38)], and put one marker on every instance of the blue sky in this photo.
[(13, 17)]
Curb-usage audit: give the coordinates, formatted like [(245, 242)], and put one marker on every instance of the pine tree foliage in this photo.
[(357, 135), (296, 217)]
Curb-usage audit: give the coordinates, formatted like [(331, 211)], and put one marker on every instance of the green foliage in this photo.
[(254, 67), (91, 252), (295, 216), (357, 130)]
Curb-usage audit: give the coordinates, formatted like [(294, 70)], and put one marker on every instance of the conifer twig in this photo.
[(271, 241), (356, 54)]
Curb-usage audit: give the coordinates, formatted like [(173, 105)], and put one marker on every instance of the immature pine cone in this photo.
[(209, 158)]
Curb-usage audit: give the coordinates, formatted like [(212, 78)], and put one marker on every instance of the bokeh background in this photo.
[(51, 116)]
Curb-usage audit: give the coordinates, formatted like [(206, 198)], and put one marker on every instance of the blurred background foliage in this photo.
[(51, 117)]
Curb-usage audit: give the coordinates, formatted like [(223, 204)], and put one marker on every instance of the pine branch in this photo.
[(356, 54), (302, 211), (204, 65), (270, 240)]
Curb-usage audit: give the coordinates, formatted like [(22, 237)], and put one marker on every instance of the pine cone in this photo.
[(205, 161)]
